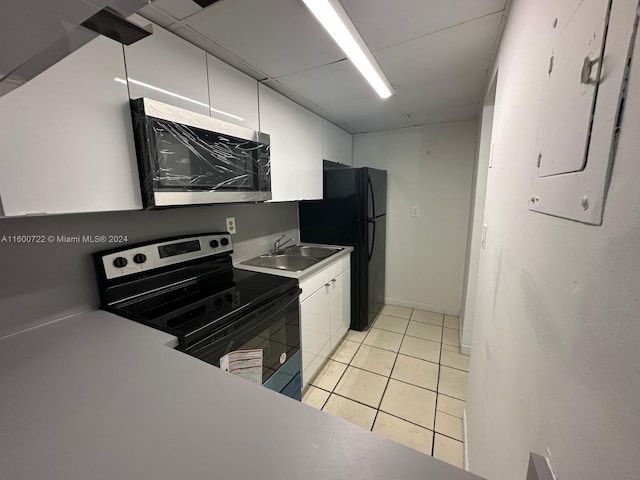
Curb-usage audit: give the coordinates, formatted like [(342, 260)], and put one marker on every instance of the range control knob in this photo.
[(228, 298), (120, 262), (139, 258), (214, 243), (218, 302), (224, 241)]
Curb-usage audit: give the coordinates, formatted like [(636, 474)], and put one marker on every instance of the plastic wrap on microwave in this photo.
[(179, 157)]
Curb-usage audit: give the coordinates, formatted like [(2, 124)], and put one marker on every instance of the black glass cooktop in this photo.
[(194, 306)]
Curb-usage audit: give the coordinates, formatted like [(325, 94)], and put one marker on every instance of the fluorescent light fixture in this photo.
[(175, 95), (336, 21)]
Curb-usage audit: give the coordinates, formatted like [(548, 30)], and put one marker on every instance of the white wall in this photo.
[(475, 227), (44, 282), (556, 357), (430, 167)]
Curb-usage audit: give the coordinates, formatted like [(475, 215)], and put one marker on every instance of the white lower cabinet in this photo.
[(325, 314), (315, 321), (340, 307)]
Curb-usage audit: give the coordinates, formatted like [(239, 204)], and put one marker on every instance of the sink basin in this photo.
[(316, 252), (294, 259), (283, 262)]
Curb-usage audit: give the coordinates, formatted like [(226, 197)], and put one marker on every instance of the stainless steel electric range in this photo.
[(187, 286)]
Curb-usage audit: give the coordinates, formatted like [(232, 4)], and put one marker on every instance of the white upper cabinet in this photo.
[(66, 136), (336, 144), (233, 96), (310, 155), (296, 147), (167, 68)]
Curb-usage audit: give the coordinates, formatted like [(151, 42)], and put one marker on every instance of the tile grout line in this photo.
[(388, 379), (435, 409), (388, 413), (348, 365), (384, 391), (360, 344)]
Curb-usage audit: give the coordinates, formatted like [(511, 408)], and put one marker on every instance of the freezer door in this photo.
[(376, 192)]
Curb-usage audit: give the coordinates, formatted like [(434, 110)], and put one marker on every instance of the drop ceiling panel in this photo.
[(178, 8), (447, 114), (378, 124), (278, 37), (331, 83), (382, 23), (456, 51), (363, 114), (432, 94)]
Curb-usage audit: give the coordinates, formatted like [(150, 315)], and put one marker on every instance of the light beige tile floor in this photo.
[(404, 379)]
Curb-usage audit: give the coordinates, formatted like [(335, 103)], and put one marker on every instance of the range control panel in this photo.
[(143, 258)]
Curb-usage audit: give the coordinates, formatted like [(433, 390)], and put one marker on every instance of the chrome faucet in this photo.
[(277, 245)]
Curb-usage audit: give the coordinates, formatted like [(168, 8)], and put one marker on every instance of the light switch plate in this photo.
[(231, 225), (483, 240), (415, 211)]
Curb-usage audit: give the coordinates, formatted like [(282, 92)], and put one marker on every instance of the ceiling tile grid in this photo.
[(446, 114), (435, 53), (278, 37), (382, 24), (333, 83), (458, 50)]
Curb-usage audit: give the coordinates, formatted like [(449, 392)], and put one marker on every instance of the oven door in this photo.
[(274, 328)]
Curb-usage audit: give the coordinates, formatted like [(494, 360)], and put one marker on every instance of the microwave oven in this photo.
[(186, 158)]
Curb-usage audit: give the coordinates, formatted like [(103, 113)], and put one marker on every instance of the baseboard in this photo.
[(465, 439), (422, 306), (465, 349)]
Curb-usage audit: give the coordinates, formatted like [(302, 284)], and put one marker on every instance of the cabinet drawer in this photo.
[(317, 281), (324, 276), (343, 264)]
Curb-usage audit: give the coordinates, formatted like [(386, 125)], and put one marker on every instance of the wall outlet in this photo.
[(415, 211), (231, 225)]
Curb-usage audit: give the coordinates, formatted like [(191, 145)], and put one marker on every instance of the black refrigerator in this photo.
[(353, 213)]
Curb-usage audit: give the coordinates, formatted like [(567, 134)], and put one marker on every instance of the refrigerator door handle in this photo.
[(373, 198), (373, 242)]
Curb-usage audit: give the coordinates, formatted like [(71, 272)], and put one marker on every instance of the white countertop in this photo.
[(97, 396), (304, 273)]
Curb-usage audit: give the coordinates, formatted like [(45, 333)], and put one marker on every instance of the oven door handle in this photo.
[(262, 315)]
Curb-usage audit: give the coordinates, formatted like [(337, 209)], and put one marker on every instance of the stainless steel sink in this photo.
[(283, 262), (294, 259), (316, 252)]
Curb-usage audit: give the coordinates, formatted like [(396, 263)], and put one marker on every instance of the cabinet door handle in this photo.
[(587, 67)]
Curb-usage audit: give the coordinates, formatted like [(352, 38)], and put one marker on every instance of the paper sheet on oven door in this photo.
[(246, 364)]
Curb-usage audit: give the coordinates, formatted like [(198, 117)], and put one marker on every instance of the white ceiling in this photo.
[(435, 53)]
